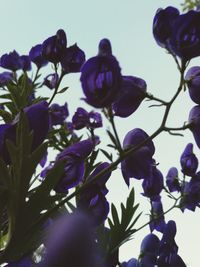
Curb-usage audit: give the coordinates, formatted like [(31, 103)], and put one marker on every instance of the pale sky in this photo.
[(128, 25)]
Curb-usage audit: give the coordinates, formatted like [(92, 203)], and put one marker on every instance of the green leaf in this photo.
[(63, 90)]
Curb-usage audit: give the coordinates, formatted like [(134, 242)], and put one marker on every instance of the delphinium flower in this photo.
[(58, 114), (51, 80), (194, 120), (172, 180), (25, 62), (189, 161), (92, 199), (192, 79), (5, 78), (130, 96), (11, 61), (101, 77), (139, 163), (82, 118), (35, 55), (131, 263), (157, 218), (179, 34)]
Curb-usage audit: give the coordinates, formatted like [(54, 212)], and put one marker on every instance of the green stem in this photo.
[(57, 86)]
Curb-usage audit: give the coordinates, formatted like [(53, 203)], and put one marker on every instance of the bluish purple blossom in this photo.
[(189, 161), (101, 80), (194, 119), (11, 61), (131, 263), (36, 56), (51, 80), (157, 217), (130, 96), (192, 78), (5, 78), (58, 114), (172, 180), (25, 63)]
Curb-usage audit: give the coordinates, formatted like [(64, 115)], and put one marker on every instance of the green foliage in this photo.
[(190, 4)]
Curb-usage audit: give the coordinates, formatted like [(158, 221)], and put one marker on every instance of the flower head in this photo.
[(36, 56), (189, 161), (11, 61)]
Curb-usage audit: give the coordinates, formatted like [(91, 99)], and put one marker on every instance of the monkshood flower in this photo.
[(82, 119), (189, 161), (5, 78), (74, 156), (192, 78), (25, 63), (157, 217), (73, 59), (163, 25), (172, 180), (24, 262), (51, 80), (130, 96), (194, 119), (11, 61), (58, 114), (139, 164), (180, 34), (149, 250), (92, 200), (54, 47), (35, 55), (101, 79), (153, 184), (70, 242), (174, 261), (131, 263)]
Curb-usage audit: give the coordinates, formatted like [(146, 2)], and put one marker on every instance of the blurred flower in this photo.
[(25, 62), (192, 78), (24, 262), (172, 180), (11, 61), (54, 47), (58, 114), (131, 263), (36, 57), (5, 78), (72, 60), (189, 161), (131, 94), (139, 163), (51, 80), (101, 80)]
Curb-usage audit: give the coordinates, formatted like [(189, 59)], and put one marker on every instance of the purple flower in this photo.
[(26, 63), (70, 242), (172, 180), (189, 161), (36, 57), (11, 61), (174, 260), (130, 96), (194, 119), (5, 78), (72, 60), (51, 80), (101, 80), (192, 78), (153, 184), (74, 156), (139, 163), (54, 47), (157, 217), (131, 263), (82, 119), (58, 114)]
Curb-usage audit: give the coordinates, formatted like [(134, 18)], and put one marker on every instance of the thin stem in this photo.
[(151, 97), (57, 86)]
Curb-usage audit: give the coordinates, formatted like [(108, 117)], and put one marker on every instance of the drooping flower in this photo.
[(11, 61), (35, 55), (51, 80), (139, 163), (130, 96), (58, 114), (101, 80), (157, 217), (194, 119), (189, 161), (172, 180), (192, 78)]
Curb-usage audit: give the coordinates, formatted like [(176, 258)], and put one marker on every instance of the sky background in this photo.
[(128, 25)]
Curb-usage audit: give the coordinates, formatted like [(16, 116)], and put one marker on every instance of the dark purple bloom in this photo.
[(174, 260), (139, 163), (72, 60), (189, 161), (157, 217), (24, 262), (51, 80), (172, 180), (54, 47), (74, 156), (70, 243), (131, 263), (101, 80), (153, 184), (26, 63), (130, 96), (194, 119), (11, 61), (5, 78), (105, 48), (36, 57), (58, 114), (163, 24), (82, 119), (193, 82)]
